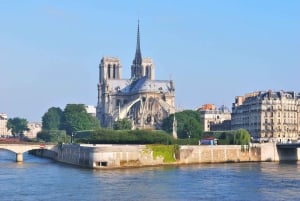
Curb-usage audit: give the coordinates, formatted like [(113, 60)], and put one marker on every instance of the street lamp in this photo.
[(72, 137), (189, 135)]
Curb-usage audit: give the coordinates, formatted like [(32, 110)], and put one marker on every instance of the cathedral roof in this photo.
[(141, 85), (147, 85)]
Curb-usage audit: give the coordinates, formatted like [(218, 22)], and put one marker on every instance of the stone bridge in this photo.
[(19, 149)]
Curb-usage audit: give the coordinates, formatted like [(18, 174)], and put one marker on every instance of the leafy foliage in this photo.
[(17, 126), (237, 137), (51, 120), (108, 136), (225, 138), (241, 137), (188, 124), (57, 136), (165, 151), (122, 124), (76, 118)]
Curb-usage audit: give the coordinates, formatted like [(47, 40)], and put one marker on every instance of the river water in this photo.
[(42, 179)]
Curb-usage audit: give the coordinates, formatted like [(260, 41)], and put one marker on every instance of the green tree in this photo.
[(122, 124), (57, 136), (51, 120), (17, 126), (226, 137), (241, 137), (188, 124), (76, 118)]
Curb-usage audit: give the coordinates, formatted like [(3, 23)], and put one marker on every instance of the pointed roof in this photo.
[(138, 54)]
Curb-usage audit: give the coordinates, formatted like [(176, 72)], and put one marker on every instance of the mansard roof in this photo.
[(262, 95)]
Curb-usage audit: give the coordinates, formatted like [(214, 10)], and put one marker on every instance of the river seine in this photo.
[(43, 179)]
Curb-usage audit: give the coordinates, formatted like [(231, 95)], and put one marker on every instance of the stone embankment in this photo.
[(120, 156)]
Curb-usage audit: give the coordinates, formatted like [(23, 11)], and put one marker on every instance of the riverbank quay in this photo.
[(108, 156)]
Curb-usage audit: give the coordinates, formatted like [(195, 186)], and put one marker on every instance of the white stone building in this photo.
[(142, 99), (91, 109), (3, 129), (214, 117), (34, 128), (268, 115)]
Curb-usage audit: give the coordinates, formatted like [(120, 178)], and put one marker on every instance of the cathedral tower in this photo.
[(110, 68)]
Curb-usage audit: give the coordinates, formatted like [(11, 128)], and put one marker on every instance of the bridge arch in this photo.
[(20, 149)]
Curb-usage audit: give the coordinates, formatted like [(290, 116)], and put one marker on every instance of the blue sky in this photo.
[(213, 50)]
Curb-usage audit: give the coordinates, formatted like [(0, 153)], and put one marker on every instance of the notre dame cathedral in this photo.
[(141, 99)]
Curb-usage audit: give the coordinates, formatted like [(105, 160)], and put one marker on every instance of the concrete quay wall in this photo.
[(119, 156), (219, 154)]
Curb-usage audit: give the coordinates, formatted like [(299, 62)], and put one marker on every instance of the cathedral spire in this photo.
[(138, 55)]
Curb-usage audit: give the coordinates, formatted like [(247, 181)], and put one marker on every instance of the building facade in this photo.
[(91, 109), (141, 99), (215, 119), (34, 128), (268, 115), (3, 129)]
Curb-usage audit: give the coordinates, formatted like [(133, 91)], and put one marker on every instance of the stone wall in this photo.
[(219, 154), (118, 156)]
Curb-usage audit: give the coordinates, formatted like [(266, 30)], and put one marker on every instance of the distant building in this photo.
[(141, 99), (90, 109), (268, 115), (4, 132), (34, 128), (215, 119)]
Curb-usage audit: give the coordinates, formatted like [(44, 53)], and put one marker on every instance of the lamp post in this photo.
[(72, 137), (75, 133), (189, 135)]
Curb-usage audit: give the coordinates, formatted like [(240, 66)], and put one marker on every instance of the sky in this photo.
[(213, 50)]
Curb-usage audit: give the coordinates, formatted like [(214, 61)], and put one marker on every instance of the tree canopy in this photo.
[(17, 126), (241, 137), (76, 118), (122, 124), (58, 136), (51, 120), (188, 124), (236, 137)]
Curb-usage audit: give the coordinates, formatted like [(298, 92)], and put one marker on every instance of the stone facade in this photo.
[(3, 129), (268, 115), (213, 118), (141, 99), (124, 156), (91, 109), (34, 128)]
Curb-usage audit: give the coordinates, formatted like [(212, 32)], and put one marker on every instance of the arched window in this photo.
[(108, 71), (148, 71), (114, 70)]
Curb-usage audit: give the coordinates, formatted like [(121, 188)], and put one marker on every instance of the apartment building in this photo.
[(268, 115), (213, 118)]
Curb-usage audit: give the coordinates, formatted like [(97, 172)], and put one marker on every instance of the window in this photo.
[(114, 70), (148, 71), (101, 163), (108, 70), (118, 102)]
